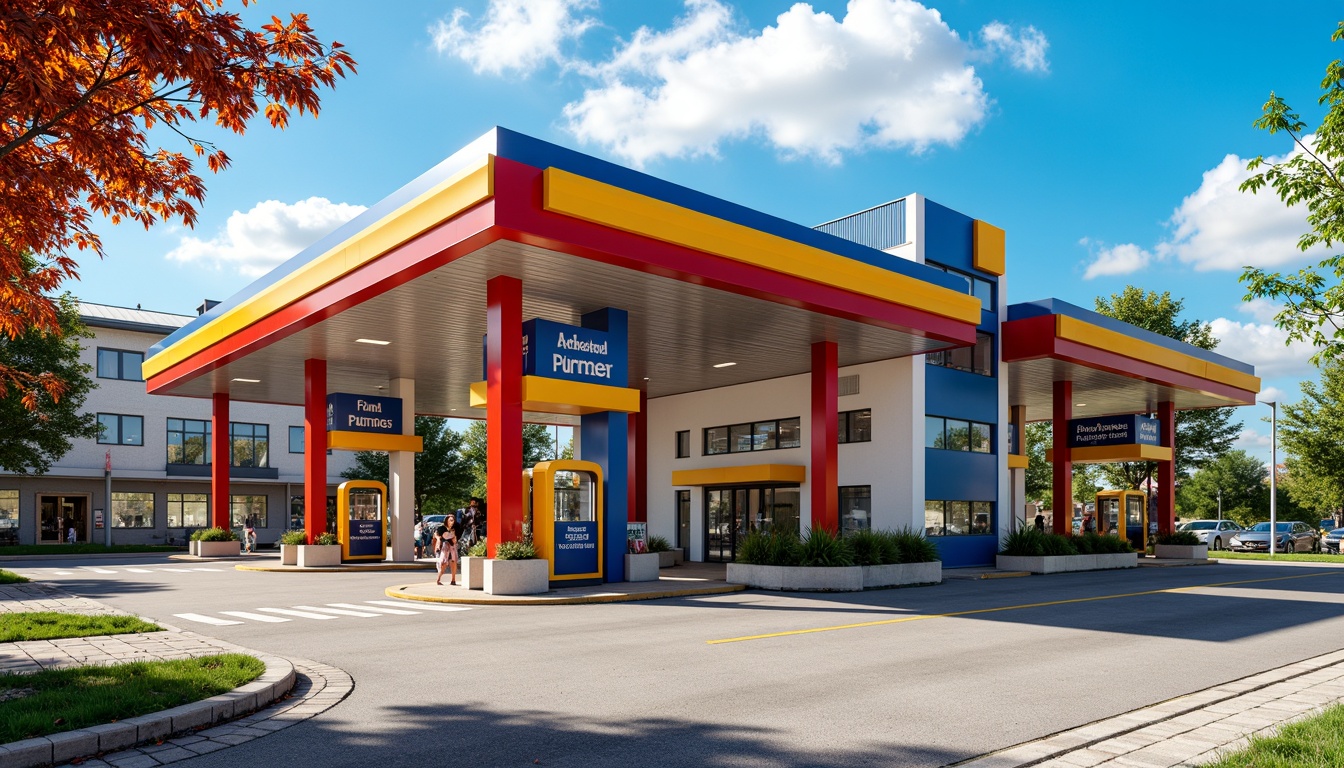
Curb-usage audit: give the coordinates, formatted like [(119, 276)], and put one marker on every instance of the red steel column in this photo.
[(825, 472), (221, 454), (637, 462), (1061, 496), (1166, 471), (314, 448), (504, 410)]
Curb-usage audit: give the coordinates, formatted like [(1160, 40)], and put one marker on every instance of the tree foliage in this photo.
[(1201, 435), (443, 473), (1040, 475), (1309, 433), (538, 445), (1242, 480), (1313, 298), (36, 427), (82, 84)]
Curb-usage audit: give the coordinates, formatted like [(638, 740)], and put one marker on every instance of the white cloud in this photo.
[(1263, 346), (517, 35), (1271, 395), (255, 242), (1263, 310), (1118, 260), (1249, 439), (1025, 49), (891, 73)]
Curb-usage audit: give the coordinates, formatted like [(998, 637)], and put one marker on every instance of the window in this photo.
[(188, 441), (977, 359), (132, 510), (684, 444), (958, 518), (188, 510), (119, 364), (250, 444), (753, 436), (9, 509), (242, 506), (856, 505), (958, 435), (978, 287), (856, 426), (296, 439), (116, 429)]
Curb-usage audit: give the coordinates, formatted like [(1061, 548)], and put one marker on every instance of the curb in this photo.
[(335, 568), (274, 683), (395, 591), (1005, 575), (96, 555)]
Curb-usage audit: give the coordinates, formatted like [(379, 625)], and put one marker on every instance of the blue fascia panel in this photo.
[(966, 551), (948, 238), (960, 395), (960, 475)]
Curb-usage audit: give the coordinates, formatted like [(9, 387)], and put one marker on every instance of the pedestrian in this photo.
[(70, 535), (445, 546), (1089, 525), (420, 538), (477, 507), (249, 533), (1040, 522)]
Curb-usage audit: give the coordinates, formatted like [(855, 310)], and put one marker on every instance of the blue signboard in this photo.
[(575, 548), (366, 538), (557, 351), (1114, 430), (363, 413)]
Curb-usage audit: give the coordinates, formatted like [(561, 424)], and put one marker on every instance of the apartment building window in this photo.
[(958, 518), (978, 287), (856, 426), (250, 444), (958, 435), (753, 436), (188, 441), (9, 509), (242, 506), (119, 429), (120, 364), (856, 508), (977, 359), (296, 439), (188, 510), (684, 444), (132, 510)]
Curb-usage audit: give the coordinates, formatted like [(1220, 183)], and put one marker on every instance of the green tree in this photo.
[(1309, 433), (1040, 479), (34, 437), (443, 473), (1201, 435), (1313, 298), (1239, 477), (538, 445)]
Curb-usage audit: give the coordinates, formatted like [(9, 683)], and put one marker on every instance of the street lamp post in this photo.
[(1220, 505), (1273, 473)]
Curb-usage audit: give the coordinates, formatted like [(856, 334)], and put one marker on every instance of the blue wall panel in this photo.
[(965, 551), (960, 395), (960, 475), (949, 238)]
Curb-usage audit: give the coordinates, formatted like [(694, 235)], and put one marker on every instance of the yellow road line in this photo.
[(952, 614)]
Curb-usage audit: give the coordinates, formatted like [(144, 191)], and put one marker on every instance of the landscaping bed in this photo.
[(823, 562), (1028, 549), (48, 625), (10, 577), (1317, 741), (1282, 557)]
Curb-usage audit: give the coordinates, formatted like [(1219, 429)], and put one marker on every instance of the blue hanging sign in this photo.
[(575, 548), (1129, 429), (366, 538), (363, 413), (557, 351)]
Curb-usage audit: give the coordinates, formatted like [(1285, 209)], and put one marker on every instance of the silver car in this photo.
[(1290, 537), (1331, 541), (1215, 533)]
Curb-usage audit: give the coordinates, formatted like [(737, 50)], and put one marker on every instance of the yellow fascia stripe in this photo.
[(988, 248), (576, 398), (1107, 454), (444, 200), (609, 206), (1083, 332), (752, 473), (1018, 461), (372, 441)]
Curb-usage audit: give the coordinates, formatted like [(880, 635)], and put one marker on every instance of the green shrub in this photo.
[(769, 547), (659, 544), (515, 550), (907, 546), (1086, 543), (820, 548), (1179, 538), (1055, 544), (196, 534), (1029, 542), (871, 548), (292, 538), (327, 539), (215, 534), (477, 550)]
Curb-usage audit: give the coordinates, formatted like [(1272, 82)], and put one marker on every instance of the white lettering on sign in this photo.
[(563, 364), (368, 421), (364, 405), (574, 345), (1148, 428)]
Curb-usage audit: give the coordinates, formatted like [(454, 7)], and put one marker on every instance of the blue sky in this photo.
[(1107, 140)]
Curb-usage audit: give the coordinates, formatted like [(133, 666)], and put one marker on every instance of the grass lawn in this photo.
[(10, 577), (81, 549), (46, 625), (1316, 742), (67, 699), (1297, 557)]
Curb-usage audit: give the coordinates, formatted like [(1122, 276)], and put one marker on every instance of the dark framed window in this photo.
[(119, 429), (978, 287), (856, 508), (683, 517), (132, 510), (120, 364), (296, 439), (684, 444), (188, 441), (243, 505), (977, 359), (250, 444), (9, 508), (958, 435), (188, 510), (753, 436), (958, 518), (856, 426)]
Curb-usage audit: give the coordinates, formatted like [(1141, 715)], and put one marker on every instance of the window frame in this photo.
[(252, 439), (867, 493), (9, 517), (181, 502), (973, 283), (237, 515), (121, 430), (291, 439), (972, 510), (748, 431), (983, 347), (115, 520), (682, 447), (205, 437), (970, 444), (121, 364), (845, 427)]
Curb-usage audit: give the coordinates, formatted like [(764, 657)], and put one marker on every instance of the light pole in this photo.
[(1273, 473), (1220, 505)]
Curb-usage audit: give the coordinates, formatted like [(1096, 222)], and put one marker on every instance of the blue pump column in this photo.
[(603, 441)]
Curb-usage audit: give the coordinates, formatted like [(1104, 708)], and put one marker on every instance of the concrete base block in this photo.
[(150, 727), (877, 576), (667, 559), (22, 754), (190, 716), (642, 567), (794, 578), (318, 555), (1067, 563), (114, 736), (679, 555), (289, 554), (219, 548), (473, 572), (1182, 551), (72, 744), (516, 577)]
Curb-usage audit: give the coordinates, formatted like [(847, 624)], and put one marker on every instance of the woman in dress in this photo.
[(445, 546)]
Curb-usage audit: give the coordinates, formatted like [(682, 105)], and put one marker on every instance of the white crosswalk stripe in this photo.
[(206, 619), (338, 611), (368, 609), (420, 606), (255, 616), (206, 570), (139, 570), (376, 609), (97, 570), (300, 614)]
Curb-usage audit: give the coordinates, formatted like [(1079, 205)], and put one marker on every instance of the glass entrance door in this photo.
[(732, 513), (61, 513)]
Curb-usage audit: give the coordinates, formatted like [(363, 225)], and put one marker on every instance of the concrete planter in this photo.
[(642, 567), (679, 555), (318, 555), (289, 554), (1182, 551), (667, 559), (1067, 563), (516, 577), (219, 548), (473, 572), (796, 578), (194, 548), (903, 574)]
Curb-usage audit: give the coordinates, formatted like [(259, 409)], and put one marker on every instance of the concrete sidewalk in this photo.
[(685, 580)]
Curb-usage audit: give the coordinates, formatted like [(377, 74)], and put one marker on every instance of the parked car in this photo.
[(1331, 541), (1291, 537), (1215, 533), (1328, 525)]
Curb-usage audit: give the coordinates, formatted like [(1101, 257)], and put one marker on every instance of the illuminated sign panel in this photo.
[(363, 413), (1114, 430), (558, 351)]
